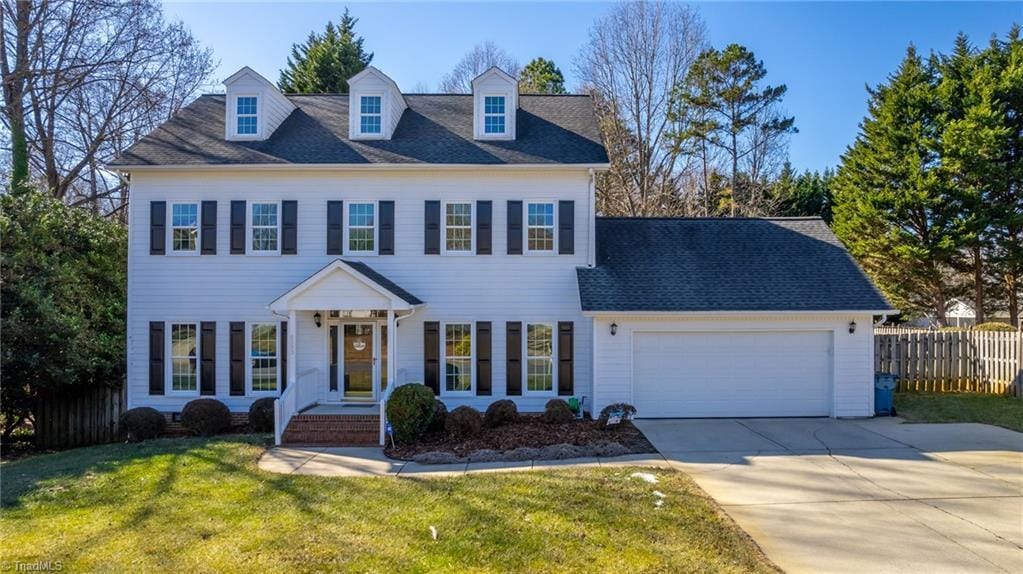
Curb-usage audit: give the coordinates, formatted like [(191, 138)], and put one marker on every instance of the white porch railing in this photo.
[(303, 393)]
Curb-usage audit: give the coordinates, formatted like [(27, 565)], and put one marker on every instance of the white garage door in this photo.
[(732, 374)]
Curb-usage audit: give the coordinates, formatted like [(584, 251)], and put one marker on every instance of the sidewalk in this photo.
[(370, 461)]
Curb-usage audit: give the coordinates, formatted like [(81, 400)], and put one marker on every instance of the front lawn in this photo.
[(202, 505), (961, 408)]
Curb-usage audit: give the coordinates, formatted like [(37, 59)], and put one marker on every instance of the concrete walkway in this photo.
[(370, 461), (824, 495)]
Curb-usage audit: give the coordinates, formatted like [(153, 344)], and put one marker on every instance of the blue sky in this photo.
[(825, 52)]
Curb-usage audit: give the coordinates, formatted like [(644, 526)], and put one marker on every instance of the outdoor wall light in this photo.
[(614, 329), (317, 318), (852, 327)]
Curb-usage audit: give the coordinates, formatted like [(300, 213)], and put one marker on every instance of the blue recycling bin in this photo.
[(884, 394)]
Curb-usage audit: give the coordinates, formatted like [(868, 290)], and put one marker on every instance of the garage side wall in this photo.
[(852, 362)]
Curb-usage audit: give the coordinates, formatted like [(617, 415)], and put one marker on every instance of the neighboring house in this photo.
[(325, 248), (959, 313)]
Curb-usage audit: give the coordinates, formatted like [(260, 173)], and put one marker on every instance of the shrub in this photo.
[(440, 416), (992, 326), (557, 411), (628, 410), (206, 417), (501, 412), (261, 415), (464, 422), (409, 411), (142, 423)]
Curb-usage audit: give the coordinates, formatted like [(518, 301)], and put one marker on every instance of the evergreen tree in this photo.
[(541, 77), (325, 61), (805, 194)]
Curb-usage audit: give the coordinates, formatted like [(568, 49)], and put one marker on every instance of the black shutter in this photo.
[(335, 235), (431, 355), (157, 227), (513, 353), (282, 351), (566, 353), (156, 349), (432, 226), (484, 233), (289, 227), (237, 358), (208, 237), (208, 358), (386, 228), (566, 227), (483, 384), (514, 228), (237, 228)]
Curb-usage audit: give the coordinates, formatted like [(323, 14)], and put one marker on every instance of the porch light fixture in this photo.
[(317, 318), (614, 329), (852, 327)]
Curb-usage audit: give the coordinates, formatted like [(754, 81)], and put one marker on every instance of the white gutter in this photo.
[(359, 167), (683, 314), (591, 233)]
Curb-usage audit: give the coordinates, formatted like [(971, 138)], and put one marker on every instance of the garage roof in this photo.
[(735, 264)]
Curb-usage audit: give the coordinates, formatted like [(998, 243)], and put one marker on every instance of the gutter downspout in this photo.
[(591, 231)]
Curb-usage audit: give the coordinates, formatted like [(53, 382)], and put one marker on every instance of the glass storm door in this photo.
[(358, 350)]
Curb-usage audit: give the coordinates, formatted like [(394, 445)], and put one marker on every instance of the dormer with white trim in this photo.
[(255, 107), (375, 105), (495, 96)]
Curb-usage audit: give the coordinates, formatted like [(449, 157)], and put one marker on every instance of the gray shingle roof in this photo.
[(655, 264), (384, 282), (434, 129)]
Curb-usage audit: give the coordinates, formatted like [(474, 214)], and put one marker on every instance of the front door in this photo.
[(359, 360)]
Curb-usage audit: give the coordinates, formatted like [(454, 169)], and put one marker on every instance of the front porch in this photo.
[(341, 355)]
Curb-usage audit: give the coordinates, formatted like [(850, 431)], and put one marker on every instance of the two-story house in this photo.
[(325, 248)]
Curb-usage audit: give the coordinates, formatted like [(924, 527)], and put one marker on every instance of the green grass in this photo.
[(202, 505), (961, 408)]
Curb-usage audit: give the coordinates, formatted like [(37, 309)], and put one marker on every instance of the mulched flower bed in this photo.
[(529, 438)]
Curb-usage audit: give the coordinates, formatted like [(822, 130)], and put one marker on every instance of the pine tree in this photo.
[(325, 62), (803, 195), (541, 77)]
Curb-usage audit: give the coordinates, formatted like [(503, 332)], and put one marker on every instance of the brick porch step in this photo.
[(333, 430)]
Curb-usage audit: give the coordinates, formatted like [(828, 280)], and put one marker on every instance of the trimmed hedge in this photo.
[(464, 422), (141, 423), (261, 415), (993, 326), (501, 412), (557, 411), (409, 410), (206, 417), (440, 415)]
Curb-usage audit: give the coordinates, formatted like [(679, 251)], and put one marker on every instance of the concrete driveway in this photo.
[(824, 495)]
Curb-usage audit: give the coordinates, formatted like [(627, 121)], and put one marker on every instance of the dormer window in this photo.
[(248, 115), (493, 115), (369, 114)]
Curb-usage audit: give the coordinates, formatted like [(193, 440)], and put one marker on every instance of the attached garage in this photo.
[(732, 374)]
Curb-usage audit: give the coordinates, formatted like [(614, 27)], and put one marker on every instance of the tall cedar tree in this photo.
[(805, 194), (893, 210), (326, 61), (541, 76)]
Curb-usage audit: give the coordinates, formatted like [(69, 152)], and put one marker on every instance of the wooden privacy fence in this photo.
[(72, 418), (951, 361)]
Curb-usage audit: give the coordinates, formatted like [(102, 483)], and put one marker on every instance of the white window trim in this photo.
[(525, 229), (484, 115), (444, 359), (444, 228), (169, 354), (376, 227), (383, 106), (525, 360), (249, 392), (170, 229), (259, 118), (248, 228)]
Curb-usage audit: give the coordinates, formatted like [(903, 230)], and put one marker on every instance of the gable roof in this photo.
[(357, 269), (435, 129), (705, 265)]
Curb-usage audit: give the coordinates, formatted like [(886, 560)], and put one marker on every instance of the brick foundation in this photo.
[(239, 422)]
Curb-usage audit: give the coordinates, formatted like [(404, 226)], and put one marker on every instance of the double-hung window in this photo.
[(493, 115), (183, 357), (247, 108), (458, 227), (369, 114), (184, 228), (458, 357), (264, 226), (540, 227), (539, 358), (361, 228), (263, 358)]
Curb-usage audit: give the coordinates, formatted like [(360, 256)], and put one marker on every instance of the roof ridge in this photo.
[(703, 218)]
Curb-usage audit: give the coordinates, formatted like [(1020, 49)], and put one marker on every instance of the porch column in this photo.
[(292, 346)]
